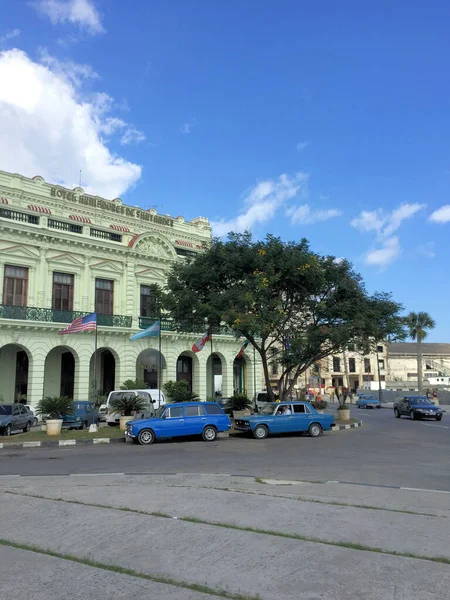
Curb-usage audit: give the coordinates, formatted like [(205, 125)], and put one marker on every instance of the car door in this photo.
[(302, 417), (405, 407), (172, 422), (16, 418), (24, 417), (282, 423), (194, 419)]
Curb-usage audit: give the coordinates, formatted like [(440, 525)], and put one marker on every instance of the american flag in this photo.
[(242, 350), (85, 323)]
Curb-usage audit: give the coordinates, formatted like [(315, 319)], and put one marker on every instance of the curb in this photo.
[(349, 426), (60, 443)]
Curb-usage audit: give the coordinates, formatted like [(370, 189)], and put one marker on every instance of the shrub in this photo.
[(177, 391), (239, 402), (128, 404), (54, 407), (134, 384)]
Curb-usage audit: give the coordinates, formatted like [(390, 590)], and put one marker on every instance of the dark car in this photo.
[(84, 414), (417, 407), (14, 417)]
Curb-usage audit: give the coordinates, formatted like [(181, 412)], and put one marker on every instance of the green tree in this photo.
[(278, 295), (417, 324), (132, 384), (177, 391)]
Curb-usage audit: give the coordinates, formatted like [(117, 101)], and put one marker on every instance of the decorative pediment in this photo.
[(107, 266), (66, 259), (154, 247), (20, 251)]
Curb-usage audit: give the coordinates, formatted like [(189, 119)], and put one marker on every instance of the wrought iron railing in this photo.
[(50, 315), (168, 324)]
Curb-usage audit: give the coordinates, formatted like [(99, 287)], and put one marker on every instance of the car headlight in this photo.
[(78, 419)]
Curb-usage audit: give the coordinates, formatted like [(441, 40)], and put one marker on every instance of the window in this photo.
[(62, 298), (149, 303), (380, 348), (192, 411), (104, 296), (381, 363), (336, 364), (212, 409), (301, 409), (184, 252), (175, 413), (15, 286), (16, 411), (367, 365), (352, 365)]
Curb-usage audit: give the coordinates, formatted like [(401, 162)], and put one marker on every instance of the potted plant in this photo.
[(342, 394), (320, 405), (240, 405), (126, 406), (52, 409)]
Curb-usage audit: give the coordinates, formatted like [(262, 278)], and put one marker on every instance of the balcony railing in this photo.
[(168, 324), (49, 315)]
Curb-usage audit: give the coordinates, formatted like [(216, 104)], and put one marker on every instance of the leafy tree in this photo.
[(279, 295), (131, 384), (54, 407), (177, 391), (417, 324), (239, 402)]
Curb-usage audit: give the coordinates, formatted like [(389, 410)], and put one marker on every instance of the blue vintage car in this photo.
[(285, 417), (84, 414), (180, 419), (364, 401)]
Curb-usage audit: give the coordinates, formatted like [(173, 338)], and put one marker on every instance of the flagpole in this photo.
[(160, 363), (95, 359), (254, 372), (212, 370)]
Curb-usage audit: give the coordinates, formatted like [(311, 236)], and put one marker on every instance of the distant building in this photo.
[(402, 365)]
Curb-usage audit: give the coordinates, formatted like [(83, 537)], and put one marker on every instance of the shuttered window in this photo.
[(15, 286)]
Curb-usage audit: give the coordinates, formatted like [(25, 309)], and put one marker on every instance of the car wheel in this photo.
[(209, 434), (260, 432), (112, 424), (413, 415), (438, 418), (396, 413), (146, 437), (7, 430), (27, 428), (35, 422), (378, 406), (315, 430)]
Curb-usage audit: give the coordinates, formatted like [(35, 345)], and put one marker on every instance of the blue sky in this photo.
[(326, 120)]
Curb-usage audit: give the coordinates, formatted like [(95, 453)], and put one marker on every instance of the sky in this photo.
[(326, 120)]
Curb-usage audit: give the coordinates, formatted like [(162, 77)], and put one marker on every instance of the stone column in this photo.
[(36, 369)]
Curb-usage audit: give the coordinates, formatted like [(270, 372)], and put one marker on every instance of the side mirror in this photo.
[(153, 401)]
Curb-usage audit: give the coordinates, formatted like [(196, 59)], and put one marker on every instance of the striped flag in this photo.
[(242, 350), (86, 323), (153, 330), (200, 344)]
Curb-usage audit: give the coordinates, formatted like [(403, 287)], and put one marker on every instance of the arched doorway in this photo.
[(213, 377), (14, 367), (59, 372), (103, 371), (239, 375), (149, 367), (188, 369)]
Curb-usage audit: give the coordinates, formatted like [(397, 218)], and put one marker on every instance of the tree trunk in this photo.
[(347, 374), (266, 375), (419, 366)]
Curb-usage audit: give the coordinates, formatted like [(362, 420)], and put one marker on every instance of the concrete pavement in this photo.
[(230, 557)]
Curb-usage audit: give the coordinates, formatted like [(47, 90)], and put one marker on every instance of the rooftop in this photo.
[(411, 348)]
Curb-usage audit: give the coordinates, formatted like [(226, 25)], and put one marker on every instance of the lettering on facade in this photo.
[(86, 200)]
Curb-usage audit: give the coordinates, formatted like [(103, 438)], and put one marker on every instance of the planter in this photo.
[(344, 414), (53, 426), (238, 414), (124, 421), (43, 427)]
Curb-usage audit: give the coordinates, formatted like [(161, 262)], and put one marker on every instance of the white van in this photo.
[(153, 399)]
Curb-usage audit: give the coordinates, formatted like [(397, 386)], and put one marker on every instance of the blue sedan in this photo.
[(285, 417), (368, 402), (180, 419)]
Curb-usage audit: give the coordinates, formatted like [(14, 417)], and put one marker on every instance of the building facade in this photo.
[(64, 254), (402, 365)]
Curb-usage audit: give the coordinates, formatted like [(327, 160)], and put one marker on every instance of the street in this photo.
[(361, 513)]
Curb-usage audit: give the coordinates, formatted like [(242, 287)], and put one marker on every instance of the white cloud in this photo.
[(132, 136), (382, 257), (303, 214), (262, 202), (50, 129), (187, 127), (369, 221), (402, 213), (302, 145), (9, 35), (441, 215), (76, 72), (78, 12)]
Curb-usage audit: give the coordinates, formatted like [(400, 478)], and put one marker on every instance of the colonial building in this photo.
[(64, 254), (402, 365)]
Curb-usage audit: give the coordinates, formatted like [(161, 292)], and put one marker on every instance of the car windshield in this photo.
[(79, 406), (160, 411), (268, 409), (120, 396), (5, 410), (420, 400)]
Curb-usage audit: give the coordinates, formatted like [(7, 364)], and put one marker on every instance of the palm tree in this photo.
[(417, 324)]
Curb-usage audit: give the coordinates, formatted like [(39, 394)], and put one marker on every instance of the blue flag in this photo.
[(153, 330)]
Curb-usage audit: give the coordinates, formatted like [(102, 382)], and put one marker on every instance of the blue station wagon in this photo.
[(180, 419), (364, 401), (285, 417)]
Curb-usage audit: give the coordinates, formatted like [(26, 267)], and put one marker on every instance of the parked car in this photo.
[(14, 417), (417, 407), (368, 402), (31, 411), (152, 398), (84, 414), (285, 417), (180, 419), (224, 404), (260, 401)]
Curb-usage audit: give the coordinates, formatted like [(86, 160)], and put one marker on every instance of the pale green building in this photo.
[(64, 254)]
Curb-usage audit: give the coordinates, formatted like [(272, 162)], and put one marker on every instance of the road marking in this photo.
[(422, 490), (93, 474), (67, 442), (31, 444), (1, 476), (433, 425), (100, 440)]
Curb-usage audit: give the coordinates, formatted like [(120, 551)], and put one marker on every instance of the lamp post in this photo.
[(380, 389)]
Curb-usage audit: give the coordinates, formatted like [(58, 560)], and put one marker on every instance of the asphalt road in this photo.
[(385, 452)]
